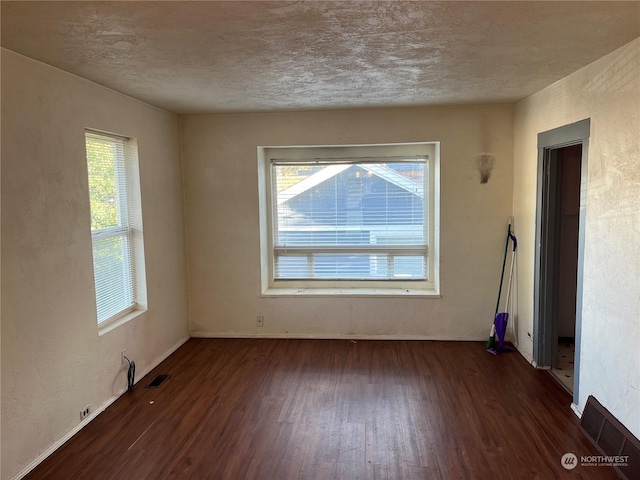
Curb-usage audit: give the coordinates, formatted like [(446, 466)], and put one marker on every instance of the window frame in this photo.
[(129, 229), (326, 154)]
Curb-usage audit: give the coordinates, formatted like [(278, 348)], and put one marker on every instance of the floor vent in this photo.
[(157, 381), (611, 438)]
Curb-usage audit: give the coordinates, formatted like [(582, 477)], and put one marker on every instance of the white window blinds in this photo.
[(350, 219), (110, 225)]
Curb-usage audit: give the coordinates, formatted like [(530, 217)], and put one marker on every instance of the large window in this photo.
[(349, 217), (115, 224)]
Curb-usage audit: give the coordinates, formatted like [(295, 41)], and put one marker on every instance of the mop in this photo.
[(492, 334), (501, 319)]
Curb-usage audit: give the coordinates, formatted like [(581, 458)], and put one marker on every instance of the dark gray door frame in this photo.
[(545, 325)]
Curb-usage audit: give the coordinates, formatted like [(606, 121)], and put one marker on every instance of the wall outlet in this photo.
[(122, 355), (84, 413), (260, 321)]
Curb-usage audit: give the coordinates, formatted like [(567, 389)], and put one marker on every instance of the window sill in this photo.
[(116, 322), (351, 292)]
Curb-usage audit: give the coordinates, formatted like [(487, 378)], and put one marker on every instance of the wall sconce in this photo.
[(484, 163)]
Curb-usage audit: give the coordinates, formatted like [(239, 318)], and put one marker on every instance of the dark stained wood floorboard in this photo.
[(270, 409)]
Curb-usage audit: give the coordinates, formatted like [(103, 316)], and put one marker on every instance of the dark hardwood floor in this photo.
[(323, 409)]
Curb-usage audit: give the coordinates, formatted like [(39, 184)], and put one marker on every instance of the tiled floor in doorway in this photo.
[(564, 365)]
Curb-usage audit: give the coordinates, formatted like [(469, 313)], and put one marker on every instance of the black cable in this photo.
[(131, 374)]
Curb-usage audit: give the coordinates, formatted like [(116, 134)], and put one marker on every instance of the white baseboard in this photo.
[(162, 357), (525, 355), (334, 336), (576, 410), (43, 456)]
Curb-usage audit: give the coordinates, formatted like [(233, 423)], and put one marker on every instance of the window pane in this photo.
[(350, 204), (105, 159), (351, 266), (112, 273)]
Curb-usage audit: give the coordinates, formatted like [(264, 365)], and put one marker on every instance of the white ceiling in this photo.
[(204, 57)]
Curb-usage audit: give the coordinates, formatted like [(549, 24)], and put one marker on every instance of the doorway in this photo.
[(560, 215), (567, 210)]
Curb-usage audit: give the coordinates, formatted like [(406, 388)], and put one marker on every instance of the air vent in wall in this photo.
[(611, 437)]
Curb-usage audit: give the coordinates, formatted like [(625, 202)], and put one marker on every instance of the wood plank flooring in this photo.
[(332, 409)]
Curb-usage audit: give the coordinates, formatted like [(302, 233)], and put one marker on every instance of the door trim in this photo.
[(544, 323)]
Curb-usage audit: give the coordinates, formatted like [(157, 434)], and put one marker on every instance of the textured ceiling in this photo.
[(202, 57)]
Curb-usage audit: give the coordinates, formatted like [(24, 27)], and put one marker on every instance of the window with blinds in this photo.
[(110, 225), (355, 218)]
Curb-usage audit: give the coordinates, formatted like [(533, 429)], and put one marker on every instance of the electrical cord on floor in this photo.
[(131, 374)]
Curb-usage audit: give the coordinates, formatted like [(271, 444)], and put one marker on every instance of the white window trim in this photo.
[(269, 287), (132, 230)]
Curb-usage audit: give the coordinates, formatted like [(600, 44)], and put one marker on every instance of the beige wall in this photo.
[(608, 92), (221, 185), (53, 361)]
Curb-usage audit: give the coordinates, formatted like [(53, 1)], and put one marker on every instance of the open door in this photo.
[(560, 216)]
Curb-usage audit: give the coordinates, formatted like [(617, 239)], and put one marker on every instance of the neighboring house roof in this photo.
[(310, 182), (392, 176), (382, 171)]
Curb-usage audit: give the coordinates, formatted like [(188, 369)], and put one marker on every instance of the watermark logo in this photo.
[(605, 461), (569, 461)]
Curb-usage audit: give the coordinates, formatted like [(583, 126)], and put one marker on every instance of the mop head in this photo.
[(496, 351), (500, 322)]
